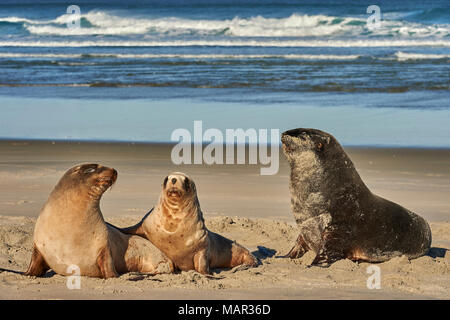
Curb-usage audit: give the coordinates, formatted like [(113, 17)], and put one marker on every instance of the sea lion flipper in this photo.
[(250, 262), (299, 249), (38, 267), (201, 263), (242, 258), (106, 264), (137, 229)]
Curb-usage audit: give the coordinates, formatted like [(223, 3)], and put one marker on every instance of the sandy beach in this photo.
[(237, 202), (77, 78)]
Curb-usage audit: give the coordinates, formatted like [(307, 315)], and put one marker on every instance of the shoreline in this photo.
[(170, 144), (359, 123)]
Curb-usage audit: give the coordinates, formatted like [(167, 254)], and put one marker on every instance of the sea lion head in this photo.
[(312, 141), (177, 187), (89, 179), (318, 161)]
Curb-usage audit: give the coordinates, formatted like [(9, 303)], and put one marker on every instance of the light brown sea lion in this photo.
[(337, 214), (176, 226), (70, 230)]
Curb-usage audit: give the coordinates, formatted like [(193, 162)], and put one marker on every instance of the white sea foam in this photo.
[(39, 55), (24, 20), (402, 56), (296, 25), (106, 24), (236, 43)]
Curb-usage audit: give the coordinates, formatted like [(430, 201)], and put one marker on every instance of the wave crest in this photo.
[(362, 43), (296, 25)]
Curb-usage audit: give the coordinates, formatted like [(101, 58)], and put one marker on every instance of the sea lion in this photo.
[(176, 226), (337, 214), (70, 230)]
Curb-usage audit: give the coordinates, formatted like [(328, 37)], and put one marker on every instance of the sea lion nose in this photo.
[(114, 175), (174, 180)]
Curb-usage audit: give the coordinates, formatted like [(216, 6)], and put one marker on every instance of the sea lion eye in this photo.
[(302, 135), (319, 146), (89, 170), (187, 184), (165, 181)]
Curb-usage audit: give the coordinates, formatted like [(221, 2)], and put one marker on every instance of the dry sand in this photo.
[(238, 203)]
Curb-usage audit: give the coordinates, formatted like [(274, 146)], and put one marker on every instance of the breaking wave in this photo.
[(296, 25)]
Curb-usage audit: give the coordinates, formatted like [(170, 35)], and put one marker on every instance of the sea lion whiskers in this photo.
[(177, 193), (105, 180), (182, 208)]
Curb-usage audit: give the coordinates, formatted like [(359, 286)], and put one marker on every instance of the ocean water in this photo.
[(318, 54)]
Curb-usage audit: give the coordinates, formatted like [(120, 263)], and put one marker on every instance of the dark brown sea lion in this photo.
[(70, 230), (176, 226), (337, 214)]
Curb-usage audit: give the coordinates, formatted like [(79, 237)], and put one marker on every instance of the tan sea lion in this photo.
[(176, 226), (70, 230), (337, 214)]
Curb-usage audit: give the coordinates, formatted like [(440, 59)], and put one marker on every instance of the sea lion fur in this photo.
[(176, 226), (338, 216), (70, 230)]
